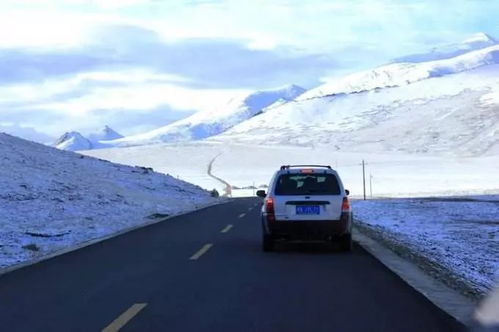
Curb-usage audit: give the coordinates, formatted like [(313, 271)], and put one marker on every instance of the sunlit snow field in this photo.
[(242, 165)]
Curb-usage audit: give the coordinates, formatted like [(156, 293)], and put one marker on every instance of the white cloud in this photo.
[(28, 133), (141, 97), (89, 100)]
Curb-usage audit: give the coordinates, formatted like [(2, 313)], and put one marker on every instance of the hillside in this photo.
[(405, 73), (52, 199)]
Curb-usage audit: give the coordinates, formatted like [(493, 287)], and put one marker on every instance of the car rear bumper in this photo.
[(309, 229)]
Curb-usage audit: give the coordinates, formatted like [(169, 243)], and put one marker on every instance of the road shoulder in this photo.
[(449, 300)]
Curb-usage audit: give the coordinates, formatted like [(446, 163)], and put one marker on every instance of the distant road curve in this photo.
[(228, 187)]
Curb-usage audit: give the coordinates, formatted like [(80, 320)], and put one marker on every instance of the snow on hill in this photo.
[(73, 141), (52, 199), (436, 107), (400, 74), (474, 42), (205, 124)]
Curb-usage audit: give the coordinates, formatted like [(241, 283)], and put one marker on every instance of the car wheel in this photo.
[(346, 242), (267, 243)]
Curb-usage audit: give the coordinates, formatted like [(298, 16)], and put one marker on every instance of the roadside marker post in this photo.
[(364, 177), (371, 185)]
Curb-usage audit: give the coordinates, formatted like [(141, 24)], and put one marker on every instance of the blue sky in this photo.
[(140, 64)]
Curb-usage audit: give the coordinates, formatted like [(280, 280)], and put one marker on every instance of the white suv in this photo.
[(306, 202)]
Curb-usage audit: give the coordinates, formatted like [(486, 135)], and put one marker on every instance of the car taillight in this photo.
[(269, 208), (269, 205), (345, 206)]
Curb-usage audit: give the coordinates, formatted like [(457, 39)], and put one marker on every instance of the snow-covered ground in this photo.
[(52, 199), (242, 165), (454, 238), (186, 161)]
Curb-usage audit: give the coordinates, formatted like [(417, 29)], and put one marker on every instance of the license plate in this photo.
[(308, 209)]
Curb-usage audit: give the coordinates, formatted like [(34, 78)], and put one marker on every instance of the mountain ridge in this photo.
[(202, 125)]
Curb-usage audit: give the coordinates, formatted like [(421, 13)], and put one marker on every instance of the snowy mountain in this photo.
[(205, 124), (475, 42), (106, 134), (52, 199), (444, 106), (73, 141)]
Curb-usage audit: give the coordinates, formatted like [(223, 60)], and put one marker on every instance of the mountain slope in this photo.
[(205, 124), (52, 199), (473, 43), (400, 74), (445, 106)]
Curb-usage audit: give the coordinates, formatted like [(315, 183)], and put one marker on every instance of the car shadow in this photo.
[(312, 248)]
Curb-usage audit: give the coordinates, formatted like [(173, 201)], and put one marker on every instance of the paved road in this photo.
[(228, 187), (167, 277)]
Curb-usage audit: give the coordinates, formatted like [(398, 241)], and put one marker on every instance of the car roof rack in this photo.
[(283, 167)]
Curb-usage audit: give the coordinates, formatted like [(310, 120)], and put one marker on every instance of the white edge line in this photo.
[(242, 215)]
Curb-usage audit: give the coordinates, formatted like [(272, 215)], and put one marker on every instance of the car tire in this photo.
[(268, 243), (346, 243)]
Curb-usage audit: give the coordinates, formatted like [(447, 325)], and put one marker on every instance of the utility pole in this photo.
[(371, 185), (364, 177)]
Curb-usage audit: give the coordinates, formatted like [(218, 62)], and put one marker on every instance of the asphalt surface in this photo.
[(167, 277)]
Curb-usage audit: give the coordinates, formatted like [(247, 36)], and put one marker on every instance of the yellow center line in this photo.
[(226, 229), (125, 317), (242, 215), (201, 252)]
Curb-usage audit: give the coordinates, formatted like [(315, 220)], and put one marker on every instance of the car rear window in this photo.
[(307, 184)]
